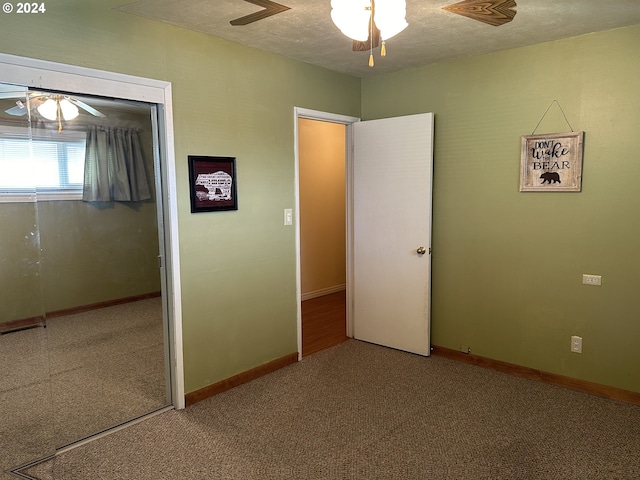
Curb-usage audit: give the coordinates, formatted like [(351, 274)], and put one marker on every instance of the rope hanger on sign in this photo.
[(545, 114)]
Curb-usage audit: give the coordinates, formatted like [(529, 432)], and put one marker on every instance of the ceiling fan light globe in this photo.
[(49, 109), (392, 30), (390, 17), (352, 17), (69, 110)]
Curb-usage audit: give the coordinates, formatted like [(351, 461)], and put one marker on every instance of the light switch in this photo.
[(288, 216)]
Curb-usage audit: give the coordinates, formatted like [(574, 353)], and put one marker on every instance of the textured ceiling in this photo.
[(306, 32)]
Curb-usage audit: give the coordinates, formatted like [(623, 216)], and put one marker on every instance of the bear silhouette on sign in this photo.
[(551, 177)]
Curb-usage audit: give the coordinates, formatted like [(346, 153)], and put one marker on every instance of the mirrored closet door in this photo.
[(26, 416), (83, 342)]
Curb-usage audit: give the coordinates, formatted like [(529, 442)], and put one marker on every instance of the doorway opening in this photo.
[(322, 196)]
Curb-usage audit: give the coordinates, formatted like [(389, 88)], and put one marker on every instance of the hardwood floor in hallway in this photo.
[(323, 322)]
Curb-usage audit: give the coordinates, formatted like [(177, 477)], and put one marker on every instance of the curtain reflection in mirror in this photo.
[(114, 166)]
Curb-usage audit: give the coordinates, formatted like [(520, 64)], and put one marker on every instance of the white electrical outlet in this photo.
[(576, 344), (595, 280)]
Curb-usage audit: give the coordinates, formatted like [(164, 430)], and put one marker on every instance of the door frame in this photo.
[(348, 122), (43, 74)]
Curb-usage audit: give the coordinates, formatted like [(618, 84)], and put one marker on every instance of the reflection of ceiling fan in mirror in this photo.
[(51, 106)]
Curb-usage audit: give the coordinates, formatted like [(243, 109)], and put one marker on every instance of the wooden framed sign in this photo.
[(551, 162)]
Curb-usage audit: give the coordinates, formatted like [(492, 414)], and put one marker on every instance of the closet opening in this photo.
[(90, 338)]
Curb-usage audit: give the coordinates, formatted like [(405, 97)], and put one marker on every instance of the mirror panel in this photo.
[(101, 280), (26, 420), (87, 243)]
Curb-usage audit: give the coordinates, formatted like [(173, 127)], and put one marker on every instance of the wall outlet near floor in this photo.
[(576, 344), (595, 280), (465, 349)]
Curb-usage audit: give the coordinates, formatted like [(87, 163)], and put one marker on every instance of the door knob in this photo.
[(421, 251)]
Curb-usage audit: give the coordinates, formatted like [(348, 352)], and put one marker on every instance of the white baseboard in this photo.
[(324, 291)]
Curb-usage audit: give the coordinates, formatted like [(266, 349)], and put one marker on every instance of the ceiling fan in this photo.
[(52, 106), (491, 12), (38, 99)]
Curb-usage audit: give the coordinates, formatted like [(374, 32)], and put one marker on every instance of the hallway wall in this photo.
[(322, 205)]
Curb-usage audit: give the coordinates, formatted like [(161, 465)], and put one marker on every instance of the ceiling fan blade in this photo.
[(86, 107), (21, 106), (269, 8), (494, 12), (17, 110)]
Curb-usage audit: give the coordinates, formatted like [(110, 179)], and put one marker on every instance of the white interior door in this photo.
[(392, 178)]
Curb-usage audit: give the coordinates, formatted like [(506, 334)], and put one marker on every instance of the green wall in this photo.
[(20, 288), (62, 254), (507, 266), (93, 253), (237, 268)]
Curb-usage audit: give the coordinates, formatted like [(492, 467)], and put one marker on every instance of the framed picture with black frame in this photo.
[(212, 183)]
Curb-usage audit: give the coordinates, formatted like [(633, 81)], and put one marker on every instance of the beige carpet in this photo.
[(107, 366), (359, 411), (82, 374)]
